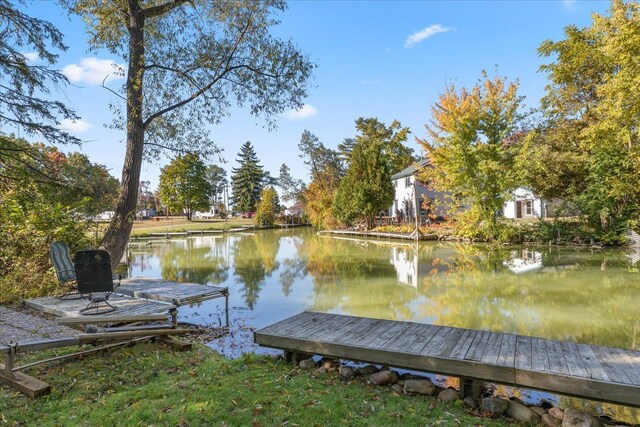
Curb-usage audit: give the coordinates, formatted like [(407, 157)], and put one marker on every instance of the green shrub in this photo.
[(28, 223)]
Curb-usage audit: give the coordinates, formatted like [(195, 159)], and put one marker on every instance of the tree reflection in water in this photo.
[(254, 259), (197, 260)]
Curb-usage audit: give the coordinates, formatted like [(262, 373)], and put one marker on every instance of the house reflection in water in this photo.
[(405, 262), (524, 261)]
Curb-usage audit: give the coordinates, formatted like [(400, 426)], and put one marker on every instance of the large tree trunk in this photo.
[(117, 235)]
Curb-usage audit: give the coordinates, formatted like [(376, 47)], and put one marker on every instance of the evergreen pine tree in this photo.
[(246, 180)]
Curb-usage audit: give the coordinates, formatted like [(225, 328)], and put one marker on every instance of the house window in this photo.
[(407, 181), (528, 207)]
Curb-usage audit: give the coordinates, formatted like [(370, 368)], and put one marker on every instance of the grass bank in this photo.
[(150, 384), (179, 224)]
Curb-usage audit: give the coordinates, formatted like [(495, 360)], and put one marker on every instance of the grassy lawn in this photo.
[(176, 224), (150, 384)]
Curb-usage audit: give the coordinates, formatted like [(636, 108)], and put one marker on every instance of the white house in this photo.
[(410, 192), (525, 204)]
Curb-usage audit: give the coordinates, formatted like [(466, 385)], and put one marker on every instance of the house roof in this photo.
[(411, 169)]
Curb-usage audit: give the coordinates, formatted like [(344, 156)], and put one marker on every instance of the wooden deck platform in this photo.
[(581, 370), (175, 293), (127, 307)]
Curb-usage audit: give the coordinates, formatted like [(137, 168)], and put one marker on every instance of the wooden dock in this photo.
[(581, 370), (127, 307), (176, 293), (139, 297), (378, 234)]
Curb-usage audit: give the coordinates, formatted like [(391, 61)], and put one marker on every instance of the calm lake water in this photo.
[(581, 295)]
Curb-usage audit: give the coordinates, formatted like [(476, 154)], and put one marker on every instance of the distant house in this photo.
[(408, 191), (526, 204)]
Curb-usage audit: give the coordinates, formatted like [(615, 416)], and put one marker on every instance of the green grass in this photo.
[(178, 224), (150, 384)]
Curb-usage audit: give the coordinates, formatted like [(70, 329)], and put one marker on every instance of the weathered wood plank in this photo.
[(289, 324), (477, 346), (463, 345), (523, 352), (379, 333), (539, 355), (492, 350), (405, 337), (634, 357), (428, 332), (435, 343), (557, 363), (449, 342), (591, 363), (30, 386), (608, 362), (507, 354), (625, 364), (574, 361)]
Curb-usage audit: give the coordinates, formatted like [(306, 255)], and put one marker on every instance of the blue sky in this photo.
[(384, 59)]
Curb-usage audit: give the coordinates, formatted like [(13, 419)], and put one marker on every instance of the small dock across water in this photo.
[(378, 234), (581, 370)]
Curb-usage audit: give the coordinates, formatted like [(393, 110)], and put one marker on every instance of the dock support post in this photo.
[(226, 306), (295, 356), (174, 317), (8, 362), (470, 388)]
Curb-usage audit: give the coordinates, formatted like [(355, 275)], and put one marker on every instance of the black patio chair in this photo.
[(61, 259), (95, 281)]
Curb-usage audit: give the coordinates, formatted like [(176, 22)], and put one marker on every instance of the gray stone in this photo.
[(320, 371), (425, 387), (448, 395), (550, 421), (384, 378), (397, 388), (538, 410), (494, 405), (469, 402), (573, 418), (520, 412), (408, 376), (346, 372), (366, 370), (557, 413), (307, 364), (276, 357)]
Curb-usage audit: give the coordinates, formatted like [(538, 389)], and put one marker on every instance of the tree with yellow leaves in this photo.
[(470, 146)]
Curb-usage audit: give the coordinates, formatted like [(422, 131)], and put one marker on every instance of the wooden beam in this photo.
[(32, 387), (95, 320)]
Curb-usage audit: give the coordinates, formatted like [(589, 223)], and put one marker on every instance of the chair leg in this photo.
[(96, 305), (71, 293)]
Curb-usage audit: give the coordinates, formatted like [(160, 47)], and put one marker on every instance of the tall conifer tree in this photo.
[(247, 178)]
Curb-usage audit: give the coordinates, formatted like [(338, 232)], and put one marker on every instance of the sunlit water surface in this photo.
[(582, 295)]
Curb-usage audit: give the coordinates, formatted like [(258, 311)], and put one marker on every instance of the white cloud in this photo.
[(425, 33), (370, 82), (307, 110), (76, 126), (94, 71), (31, 57), (569, 4)]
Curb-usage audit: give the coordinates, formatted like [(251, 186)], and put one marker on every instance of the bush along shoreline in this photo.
[(560, 233)]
